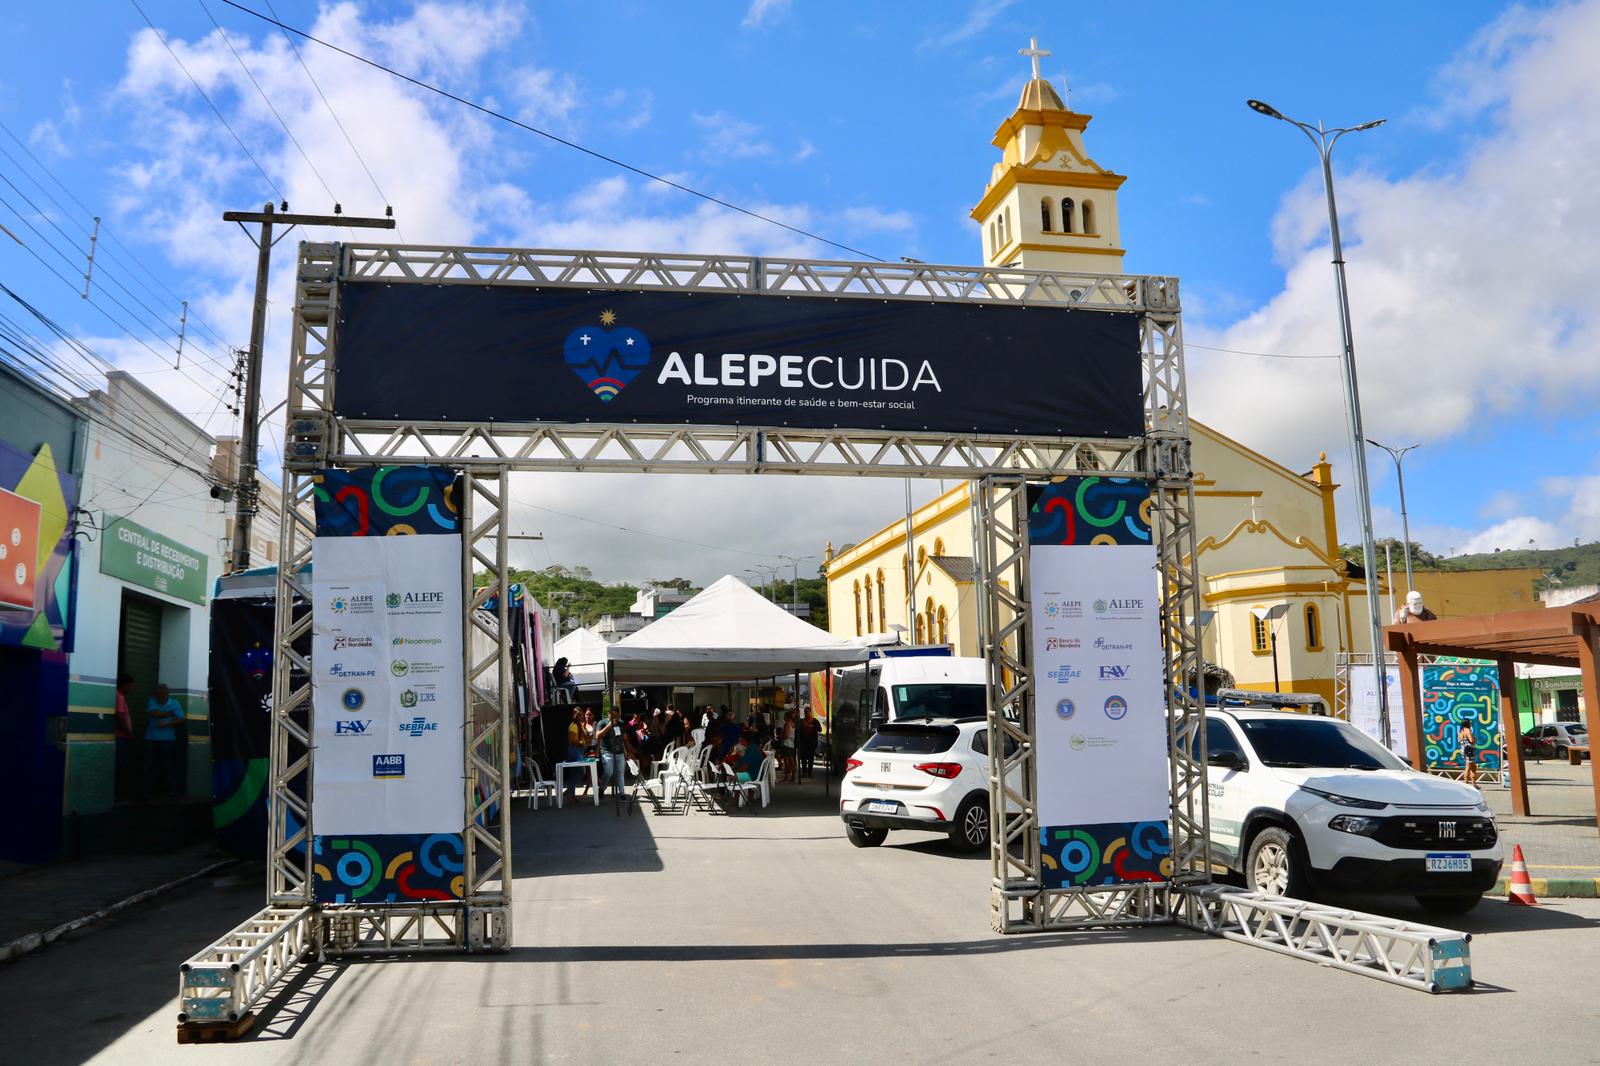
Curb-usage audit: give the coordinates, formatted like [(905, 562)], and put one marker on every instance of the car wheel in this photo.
[(1449, 904), (1561, 751), (971, 832), (1276, 865), (865, 838)]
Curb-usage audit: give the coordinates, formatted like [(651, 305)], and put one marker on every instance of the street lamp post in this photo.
[(1323, 140), (1398, 454)]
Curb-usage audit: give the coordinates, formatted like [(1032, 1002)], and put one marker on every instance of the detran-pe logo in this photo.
[(606, 359), (1116, 708), (1065, 708)]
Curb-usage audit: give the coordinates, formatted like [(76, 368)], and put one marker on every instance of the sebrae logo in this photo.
[(1063, 674), (606, 359), (418, 726)]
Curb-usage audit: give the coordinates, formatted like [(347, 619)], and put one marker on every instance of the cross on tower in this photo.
[(1035, 53)]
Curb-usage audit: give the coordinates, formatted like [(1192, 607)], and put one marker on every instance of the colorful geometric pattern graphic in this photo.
[(37, 550), (1091, 510), (388, 501), (389, 868), (1457, 696), (606, 359), (1073, 856)]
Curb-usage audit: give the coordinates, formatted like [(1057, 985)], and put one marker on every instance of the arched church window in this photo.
[(1313, 628), (1006, 227), (858, 607), (1044, 214), (1088, 217), (944, 627), (938, 547), (922, 634), (883, 604), (1066, 214), (870, 628)]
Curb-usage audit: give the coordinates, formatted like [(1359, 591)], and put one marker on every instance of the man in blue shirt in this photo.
[(162, 759)]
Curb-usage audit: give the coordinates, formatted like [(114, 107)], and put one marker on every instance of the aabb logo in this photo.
[(1114, 673), (351, 729), (388, 766)]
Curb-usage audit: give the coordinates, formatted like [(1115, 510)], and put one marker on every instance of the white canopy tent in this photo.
[(728, 632), (585, 652)]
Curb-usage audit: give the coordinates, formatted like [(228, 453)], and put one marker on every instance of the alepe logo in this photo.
[(606, 359), (392, 600)]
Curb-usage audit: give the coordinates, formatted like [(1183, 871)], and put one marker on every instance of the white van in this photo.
[(901, 686)]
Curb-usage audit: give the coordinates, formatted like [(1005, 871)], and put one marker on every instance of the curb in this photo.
[(31, 942), (1555, 887)]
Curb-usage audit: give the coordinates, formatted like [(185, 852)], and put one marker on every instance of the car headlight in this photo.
[(1345, 801), (1359, 824)]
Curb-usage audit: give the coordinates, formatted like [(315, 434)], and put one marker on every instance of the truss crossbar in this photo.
[(556, 268), (1402, 953), (224, 981)]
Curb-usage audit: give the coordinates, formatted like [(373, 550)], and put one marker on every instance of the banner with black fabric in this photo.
[(241, 708), (469, 353)]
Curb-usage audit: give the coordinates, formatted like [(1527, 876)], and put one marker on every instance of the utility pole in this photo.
[(244, 500)]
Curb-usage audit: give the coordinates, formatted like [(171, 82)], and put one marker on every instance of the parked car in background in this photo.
[(1301, 804), (1554, 740), (929, 774)]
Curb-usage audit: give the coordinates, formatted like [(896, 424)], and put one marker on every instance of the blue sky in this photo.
[(1468, 216)]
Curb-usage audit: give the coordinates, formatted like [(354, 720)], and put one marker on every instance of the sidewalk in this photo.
[(41, 903), (1559, 839)]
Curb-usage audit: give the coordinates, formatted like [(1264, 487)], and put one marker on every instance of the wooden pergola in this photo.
[(1553, 636)]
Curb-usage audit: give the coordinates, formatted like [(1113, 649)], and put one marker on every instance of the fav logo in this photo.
[(606, 359), (1113, 673), (1065, 708), (353, 699), (399, 668), (1063, 673), (418, 726), (1116, 708), (1077, 742), (351, 729), (408, 698), (388, 766)]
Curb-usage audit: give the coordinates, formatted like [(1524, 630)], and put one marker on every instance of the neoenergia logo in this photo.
[(606, 359)]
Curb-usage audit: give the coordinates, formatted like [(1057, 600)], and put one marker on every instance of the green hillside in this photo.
[(1562, 567)]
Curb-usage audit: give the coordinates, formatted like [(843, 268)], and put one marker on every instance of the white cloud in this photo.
[(1513, 533), (979, 17), (728, 137), (1471, 285), (763, 12), (52, 135), (545, 96), (804, 152), (639, 107)]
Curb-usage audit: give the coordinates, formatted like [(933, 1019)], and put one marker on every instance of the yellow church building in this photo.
[(1266, 535)]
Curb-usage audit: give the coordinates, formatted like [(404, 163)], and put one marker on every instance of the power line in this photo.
[(105, 231), (268, 101), (160, 37), (332, 113), (501, 116), (1259, 355)]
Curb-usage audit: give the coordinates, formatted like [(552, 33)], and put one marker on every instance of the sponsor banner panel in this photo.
[(813, 362), (388, 867), (387, 686), (1100, 713), (1363, 698)]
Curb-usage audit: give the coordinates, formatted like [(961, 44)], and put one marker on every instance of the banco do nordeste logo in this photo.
[(606, 359)]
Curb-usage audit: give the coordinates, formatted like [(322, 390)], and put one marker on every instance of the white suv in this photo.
[(930, 774), (1301, 803)]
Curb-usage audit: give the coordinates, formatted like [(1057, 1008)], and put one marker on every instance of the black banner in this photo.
[(471, 353)]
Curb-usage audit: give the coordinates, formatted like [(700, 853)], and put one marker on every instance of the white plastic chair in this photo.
[(538, 785), (761, 783)]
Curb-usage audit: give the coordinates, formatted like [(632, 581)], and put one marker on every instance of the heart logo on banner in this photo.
[(606, 359)]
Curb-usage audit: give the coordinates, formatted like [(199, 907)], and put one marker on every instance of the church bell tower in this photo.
[(1048, 205)]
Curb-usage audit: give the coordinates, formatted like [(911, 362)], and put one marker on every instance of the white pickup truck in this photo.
[(1301, 803)]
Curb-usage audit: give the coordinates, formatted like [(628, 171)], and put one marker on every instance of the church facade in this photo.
[(1285, 604)]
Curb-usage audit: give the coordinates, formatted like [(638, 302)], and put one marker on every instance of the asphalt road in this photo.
[(771, 939)]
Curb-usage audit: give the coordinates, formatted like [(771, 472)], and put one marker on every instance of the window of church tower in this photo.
[(1044, 214), (938, 546), (1005, 226), (1088, 216), (858, 607), (1313, 629), (870, 628), (944, 627), (883, 604), (1066, 214)]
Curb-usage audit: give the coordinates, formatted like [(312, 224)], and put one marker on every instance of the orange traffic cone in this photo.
[(1521, 887)]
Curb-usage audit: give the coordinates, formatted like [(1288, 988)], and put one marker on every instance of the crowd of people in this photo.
[(645, 738)]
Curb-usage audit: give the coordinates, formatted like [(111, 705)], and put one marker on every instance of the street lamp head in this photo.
[(1374, 124), (1264, 109)]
